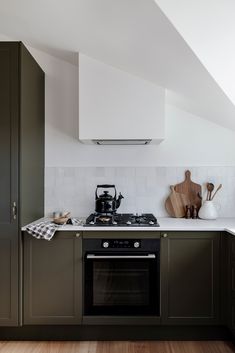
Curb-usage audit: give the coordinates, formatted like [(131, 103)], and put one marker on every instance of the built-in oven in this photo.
[(121, 277)]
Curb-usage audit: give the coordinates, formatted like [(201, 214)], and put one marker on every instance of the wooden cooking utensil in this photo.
[(210, 188), (176, 203), (218, 188), (190, 189)]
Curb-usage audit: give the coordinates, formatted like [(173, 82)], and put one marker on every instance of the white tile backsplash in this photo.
[(145, 189)]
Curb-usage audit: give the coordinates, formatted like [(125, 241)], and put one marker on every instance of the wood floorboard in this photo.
[(117, 347)]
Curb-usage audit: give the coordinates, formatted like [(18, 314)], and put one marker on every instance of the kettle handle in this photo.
[(105, 186)]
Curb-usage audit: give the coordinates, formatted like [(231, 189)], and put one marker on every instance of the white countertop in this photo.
[(166, 224)]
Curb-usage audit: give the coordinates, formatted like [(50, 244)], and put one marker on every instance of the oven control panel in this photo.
[(121, 243)]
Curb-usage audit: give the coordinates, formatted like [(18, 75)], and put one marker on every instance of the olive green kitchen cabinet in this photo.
[(190, 278), (53, 279), (22, 166), (231, 283)]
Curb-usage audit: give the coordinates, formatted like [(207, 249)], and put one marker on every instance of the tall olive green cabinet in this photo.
[(21, 165)]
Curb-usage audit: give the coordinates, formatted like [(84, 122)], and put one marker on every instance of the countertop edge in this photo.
[(166, 224)]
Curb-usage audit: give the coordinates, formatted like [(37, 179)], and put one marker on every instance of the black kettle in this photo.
[(106, 203)]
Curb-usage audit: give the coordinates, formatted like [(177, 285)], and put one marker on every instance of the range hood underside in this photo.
[(122, 142)]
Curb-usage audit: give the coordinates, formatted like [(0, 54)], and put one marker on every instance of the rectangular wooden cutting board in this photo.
[(176, 203)]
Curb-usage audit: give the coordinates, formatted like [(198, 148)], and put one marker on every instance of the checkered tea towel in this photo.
[(42, 230)]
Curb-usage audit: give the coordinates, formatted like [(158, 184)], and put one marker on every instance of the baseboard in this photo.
[(110, 333)]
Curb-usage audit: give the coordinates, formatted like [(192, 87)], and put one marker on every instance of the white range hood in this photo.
[(117, 108)]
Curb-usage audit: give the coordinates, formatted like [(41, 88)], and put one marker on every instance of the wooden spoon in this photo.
[(210, 188), (218, 188)]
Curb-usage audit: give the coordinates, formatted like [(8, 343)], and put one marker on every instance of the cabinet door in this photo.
[(190, 277), (232, 265), (8, 184), (53, 279), (231, 283)]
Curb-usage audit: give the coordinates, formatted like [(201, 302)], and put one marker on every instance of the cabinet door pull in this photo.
[(165, 235), (77, 235), (14, 210)]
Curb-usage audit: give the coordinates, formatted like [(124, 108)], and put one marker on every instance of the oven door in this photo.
[(121, 284)]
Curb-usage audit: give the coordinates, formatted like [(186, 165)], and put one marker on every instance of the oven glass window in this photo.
[(121, 287), (120, 283)]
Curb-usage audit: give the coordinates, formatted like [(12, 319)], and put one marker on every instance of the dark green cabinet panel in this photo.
[(8, 281), (233, 278), (31, 138), (8, 185), (231, 283), (190, 269), (16, 94), (53, 279), (232, 316), (6, 131)]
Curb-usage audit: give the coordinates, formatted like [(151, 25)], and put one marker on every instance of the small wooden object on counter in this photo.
[(190, 189), (188, 212), (62, 219), (194, 212), (176, 203)]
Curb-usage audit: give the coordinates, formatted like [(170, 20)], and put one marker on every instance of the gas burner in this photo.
[(122, 220), (141, 219), (103, 219)]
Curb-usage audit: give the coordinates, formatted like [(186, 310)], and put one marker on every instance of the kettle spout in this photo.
[(118, 201)]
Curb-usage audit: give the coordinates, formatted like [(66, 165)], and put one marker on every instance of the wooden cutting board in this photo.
[(190, 189), (176, 203)]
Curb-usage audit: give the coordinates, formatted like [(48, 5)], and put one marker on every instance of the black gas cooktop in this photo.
[(122, 220)]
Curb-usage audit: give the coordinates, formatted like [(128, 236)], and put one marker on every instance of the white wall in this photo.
[(142, 173), (190, 140)]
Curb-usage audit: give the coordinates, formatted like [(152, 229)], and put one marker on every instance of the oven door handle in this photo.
[(149, 256)]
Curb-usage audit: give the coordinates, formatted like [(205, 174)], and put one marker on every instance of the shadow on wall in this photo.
[(61, 92)]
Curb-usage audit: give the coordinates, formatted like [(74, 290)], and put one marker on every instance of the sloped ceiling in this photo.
[(133, 35), (208, 27)]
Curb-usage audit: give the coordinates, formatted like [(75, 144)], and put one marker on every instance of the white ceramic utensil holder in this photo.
[(208, 211)]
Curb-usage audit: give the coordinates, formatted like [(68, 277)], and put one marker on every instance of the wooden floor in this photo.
[(117, 347)]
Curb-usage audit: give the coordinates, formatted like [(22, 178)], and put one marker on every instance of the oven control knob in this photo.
[(105, 244), (136, 244)]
